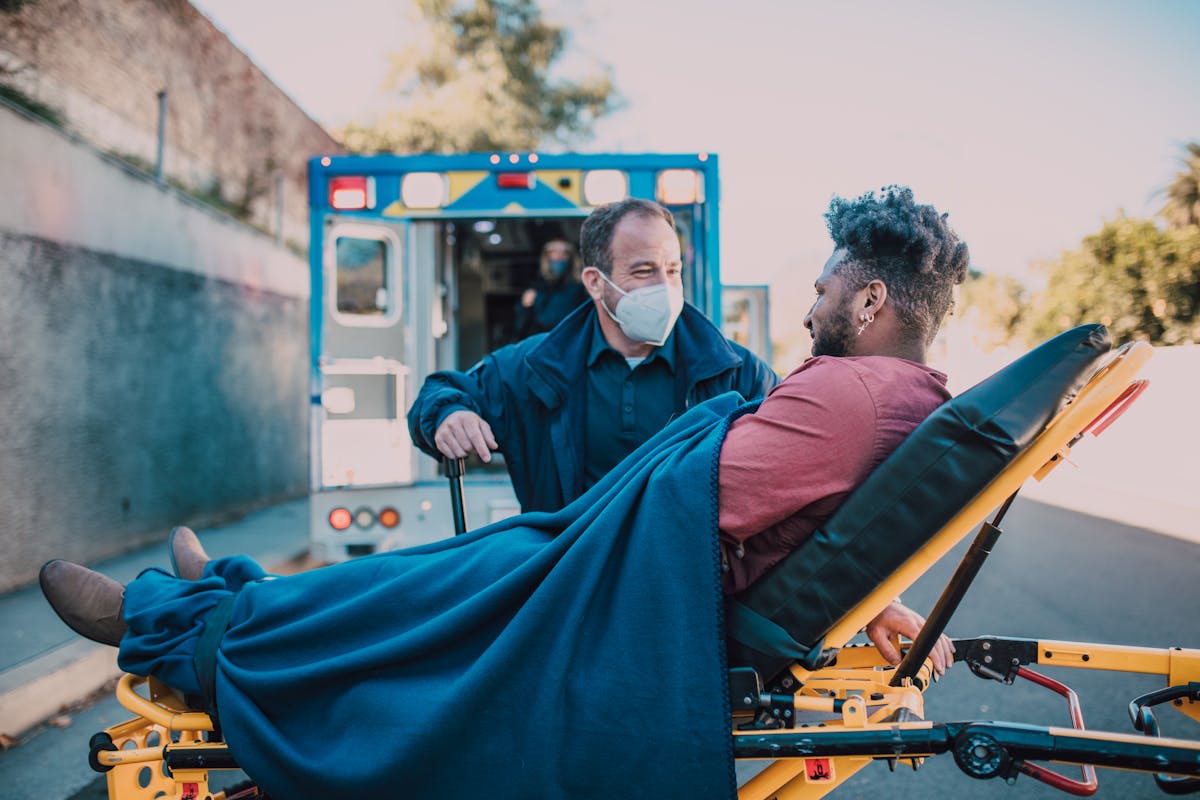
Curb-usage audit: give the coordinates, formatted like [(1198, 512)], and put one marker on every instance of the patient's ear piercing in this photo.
[(866, 318)]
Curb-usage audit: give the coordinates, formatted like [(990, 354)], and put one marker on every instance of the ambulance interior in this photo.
[(495, 261)]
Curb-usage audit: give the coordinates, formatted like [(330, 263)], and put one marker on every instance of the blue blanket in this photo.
[(575, 654)]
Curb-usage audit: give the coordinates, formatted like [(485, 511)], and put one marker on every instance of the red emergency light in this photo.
[(348, 192), (515, 180)]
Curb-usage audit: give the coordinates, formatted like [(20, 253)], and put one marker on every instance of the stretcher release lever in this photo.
[(997, 658)]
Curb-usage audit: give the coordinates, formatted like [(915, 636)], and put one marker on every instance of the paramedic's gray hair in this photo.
[(595, 239)]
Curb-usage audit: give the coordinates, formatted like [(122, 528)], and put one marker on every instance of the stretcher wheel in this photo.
[(97, 744), (979, 755)]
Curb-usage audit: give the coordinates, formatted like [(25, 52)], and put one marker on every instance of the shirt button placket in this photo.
[(627, 404)]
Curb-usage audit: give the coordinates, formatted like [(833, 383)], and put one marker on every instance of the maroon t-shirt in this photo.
[(787, 467)]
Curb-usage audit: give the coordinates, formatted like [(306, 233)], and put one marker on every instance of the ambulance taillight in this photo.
[(340, 519)]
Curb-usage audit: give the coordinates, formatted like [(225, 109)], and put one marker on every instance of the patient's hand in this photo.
[(895, 621)]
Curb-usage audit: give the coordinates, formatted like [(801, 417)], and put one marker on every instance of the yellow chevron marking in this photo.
[(572, 192), (463, 182)]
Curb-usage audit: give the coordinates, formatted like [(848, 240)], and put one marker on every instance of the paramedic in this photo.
[(555, 293), (566, 406)]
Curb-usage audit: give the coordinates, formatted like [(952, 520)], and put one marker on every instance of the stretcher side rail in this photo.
[(982, 749)]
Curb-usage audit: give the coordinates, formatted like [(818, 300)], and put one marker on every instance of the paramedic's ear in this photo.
[(593, 282)]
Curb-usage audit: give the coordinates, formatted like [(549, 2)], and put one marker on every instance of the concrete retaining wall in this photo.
[(153, 357)]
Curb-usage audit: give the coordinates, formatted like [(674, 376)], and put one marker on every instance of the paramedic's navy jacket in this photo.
[(533, 395)]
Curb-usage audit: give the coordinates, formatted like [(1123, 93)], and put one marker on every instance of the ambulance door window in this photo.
[(365, 286), (361, 276)]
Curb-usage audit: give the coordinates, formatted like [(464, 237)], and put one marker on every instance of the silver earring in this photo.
[(867, 318)]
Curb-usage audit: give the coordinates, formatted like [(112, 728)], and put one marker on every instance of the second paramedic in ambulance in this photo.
[(554, 294), (565, 407)]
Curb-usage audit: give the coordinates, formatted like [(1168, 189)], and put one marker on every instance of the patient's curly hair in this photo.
[(909, 247)]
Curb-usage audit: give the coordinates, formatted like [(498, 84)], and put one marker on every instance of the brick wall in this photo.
[(102, 63)]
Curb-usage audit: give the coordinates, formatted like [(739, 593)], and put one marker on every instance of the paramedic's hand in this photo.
[(464, 432), (896, 620)]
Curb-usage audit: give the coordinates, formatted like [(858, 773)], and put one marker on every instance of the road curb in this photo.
[(46, 667), (37, 690)]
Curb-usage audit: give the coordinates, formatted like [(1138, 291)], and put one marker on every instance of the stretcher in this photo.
[(807, 706)]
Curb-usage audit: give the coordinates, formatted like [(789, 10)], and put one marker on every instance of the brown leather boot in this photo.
[(90, 603), (187, 556)]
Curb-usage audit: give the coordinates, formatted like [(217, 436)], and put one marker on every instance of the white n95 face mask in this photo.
[(647, 314)]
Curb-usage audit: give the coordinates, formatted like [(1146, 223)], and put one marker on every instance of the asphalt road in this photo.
[(1055, 574)]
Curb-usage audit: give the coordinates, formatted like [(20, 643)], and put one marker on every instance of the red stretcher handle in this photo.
[(1082, 788)]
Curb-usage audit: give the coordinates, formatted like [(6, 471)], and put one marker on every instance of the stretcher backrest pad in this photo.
[(942, 466)]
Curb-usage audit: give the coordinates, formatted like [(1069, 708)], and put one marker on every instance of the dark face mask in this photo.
[(558, 266)]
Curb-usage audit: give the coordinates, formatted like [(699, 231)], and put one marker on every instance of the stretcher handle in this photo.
[(1142, 714), (456, 468), (1116, 408), (1081, 788)]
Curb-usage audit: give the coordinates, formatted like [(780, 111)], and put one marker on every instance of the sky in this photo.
[(1031, 123)]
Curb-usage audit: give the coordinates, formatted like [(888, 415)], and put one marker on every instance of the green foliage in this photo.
[(211, 194), (1183, 194), (992, 306), (13, 6), (1139, 280), (480, 80), (33, 106)]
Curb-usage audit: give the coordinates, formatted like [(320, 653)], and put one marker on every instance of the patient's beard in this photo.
[(835, 338)]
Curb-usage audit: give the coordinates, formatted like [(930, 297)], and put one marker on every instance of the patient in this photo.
[(783, 469)]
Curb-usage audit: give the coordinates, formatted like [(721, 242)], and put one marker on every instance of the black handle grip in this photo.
[(456, 468)]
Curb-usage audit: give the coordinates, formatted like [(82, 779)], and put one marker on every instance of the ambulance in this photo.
[(418, 264)]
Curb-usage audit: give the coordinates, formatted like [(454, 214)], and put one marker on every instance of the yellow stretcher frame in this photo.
[(853, 696), (861, 679), (860, 673)]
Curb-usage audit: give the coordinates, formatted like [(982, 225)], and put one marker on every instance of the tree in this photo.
[(480, 80), (991, 307), (1139, 280), (1183, 194)]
